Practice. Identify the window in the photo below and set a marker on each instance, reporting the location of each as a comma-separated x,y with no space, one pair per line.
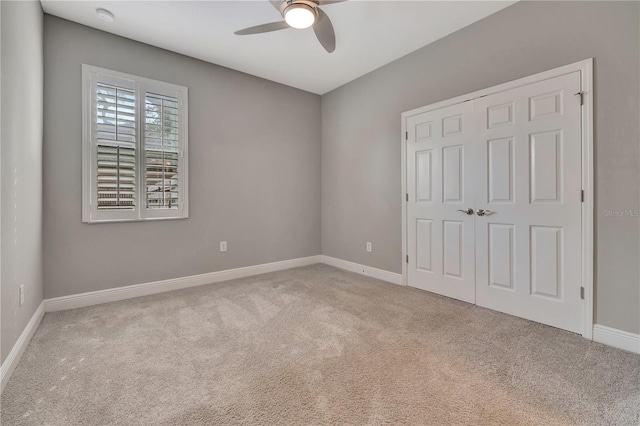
134,148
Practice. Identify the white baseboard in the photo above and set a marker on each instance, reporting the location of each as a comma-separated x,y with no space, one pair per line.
121,293
82,300
21,344
616,338
369,271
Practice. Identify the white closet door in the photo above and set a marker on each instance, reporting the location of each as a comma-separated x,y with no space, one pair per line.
439,183
527,173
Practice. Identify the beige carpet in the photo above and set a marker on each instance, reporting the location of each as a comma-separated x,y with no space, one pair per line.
313,345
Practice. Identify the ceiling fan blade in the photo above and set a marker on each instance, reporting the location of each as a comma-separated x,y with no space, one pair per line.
264,28
328,2
324,31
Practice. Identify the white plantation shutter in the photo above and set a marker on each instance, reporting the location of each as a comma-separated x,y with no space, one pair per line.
134,149
161,151
116,147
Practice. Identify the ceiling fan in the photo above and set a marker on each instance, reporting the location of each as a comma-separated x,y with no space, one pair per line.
301,14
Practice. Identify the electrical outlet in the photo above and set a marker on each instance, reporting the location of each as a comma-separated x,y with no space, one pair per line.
369,249
21,294
223,246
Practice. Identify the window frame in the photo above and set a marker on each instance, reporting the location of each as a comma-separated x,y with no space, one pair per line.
91,76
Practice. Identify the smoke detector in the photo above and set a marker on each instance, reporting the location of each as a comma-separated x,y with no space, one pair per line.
104,15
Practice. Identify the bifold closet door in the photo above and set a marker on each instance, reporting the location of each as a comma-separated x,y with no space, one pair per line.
528,175
440,187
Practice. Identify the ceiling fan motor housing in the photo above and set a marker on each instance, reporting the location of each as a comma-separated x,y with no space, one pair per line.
309,3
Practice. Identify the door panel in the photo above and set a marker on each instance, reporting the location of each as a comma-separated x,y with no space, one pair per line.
452,247
546,261
424,241
423,175
452,181
546,167
501,256
528,252
440,238
500,169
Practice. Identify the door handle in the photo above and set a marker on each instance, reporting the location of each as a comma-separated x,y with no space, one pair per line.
482,212
466,211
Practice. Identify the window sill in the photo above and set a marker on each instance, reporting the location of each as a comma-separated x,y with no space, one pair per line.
148,219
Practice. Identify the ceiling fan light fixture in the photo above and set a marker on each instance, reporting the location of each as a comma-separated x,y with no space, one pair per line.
299,15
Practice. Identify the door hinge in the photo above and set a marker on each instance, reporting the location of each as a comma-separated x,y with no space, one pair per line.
581,97
407,197
406,136
582,293
582,195
407,258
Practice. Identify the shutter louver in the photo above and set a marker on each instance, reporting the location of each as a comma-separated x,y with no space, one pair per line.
161,151
116,147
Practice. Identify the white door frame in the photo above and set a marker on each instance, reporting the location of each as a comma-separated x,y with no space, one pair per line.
586,73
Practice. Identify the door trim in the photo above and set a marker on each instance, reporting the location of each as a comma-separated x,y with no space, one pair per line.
586,76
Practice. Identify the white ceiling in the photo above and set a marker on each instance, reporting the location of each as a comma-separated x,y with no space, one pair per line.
369,34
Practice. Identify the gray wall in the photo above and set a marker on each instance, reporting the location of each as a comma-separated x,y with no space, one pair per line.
21,153
361,185
254,166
